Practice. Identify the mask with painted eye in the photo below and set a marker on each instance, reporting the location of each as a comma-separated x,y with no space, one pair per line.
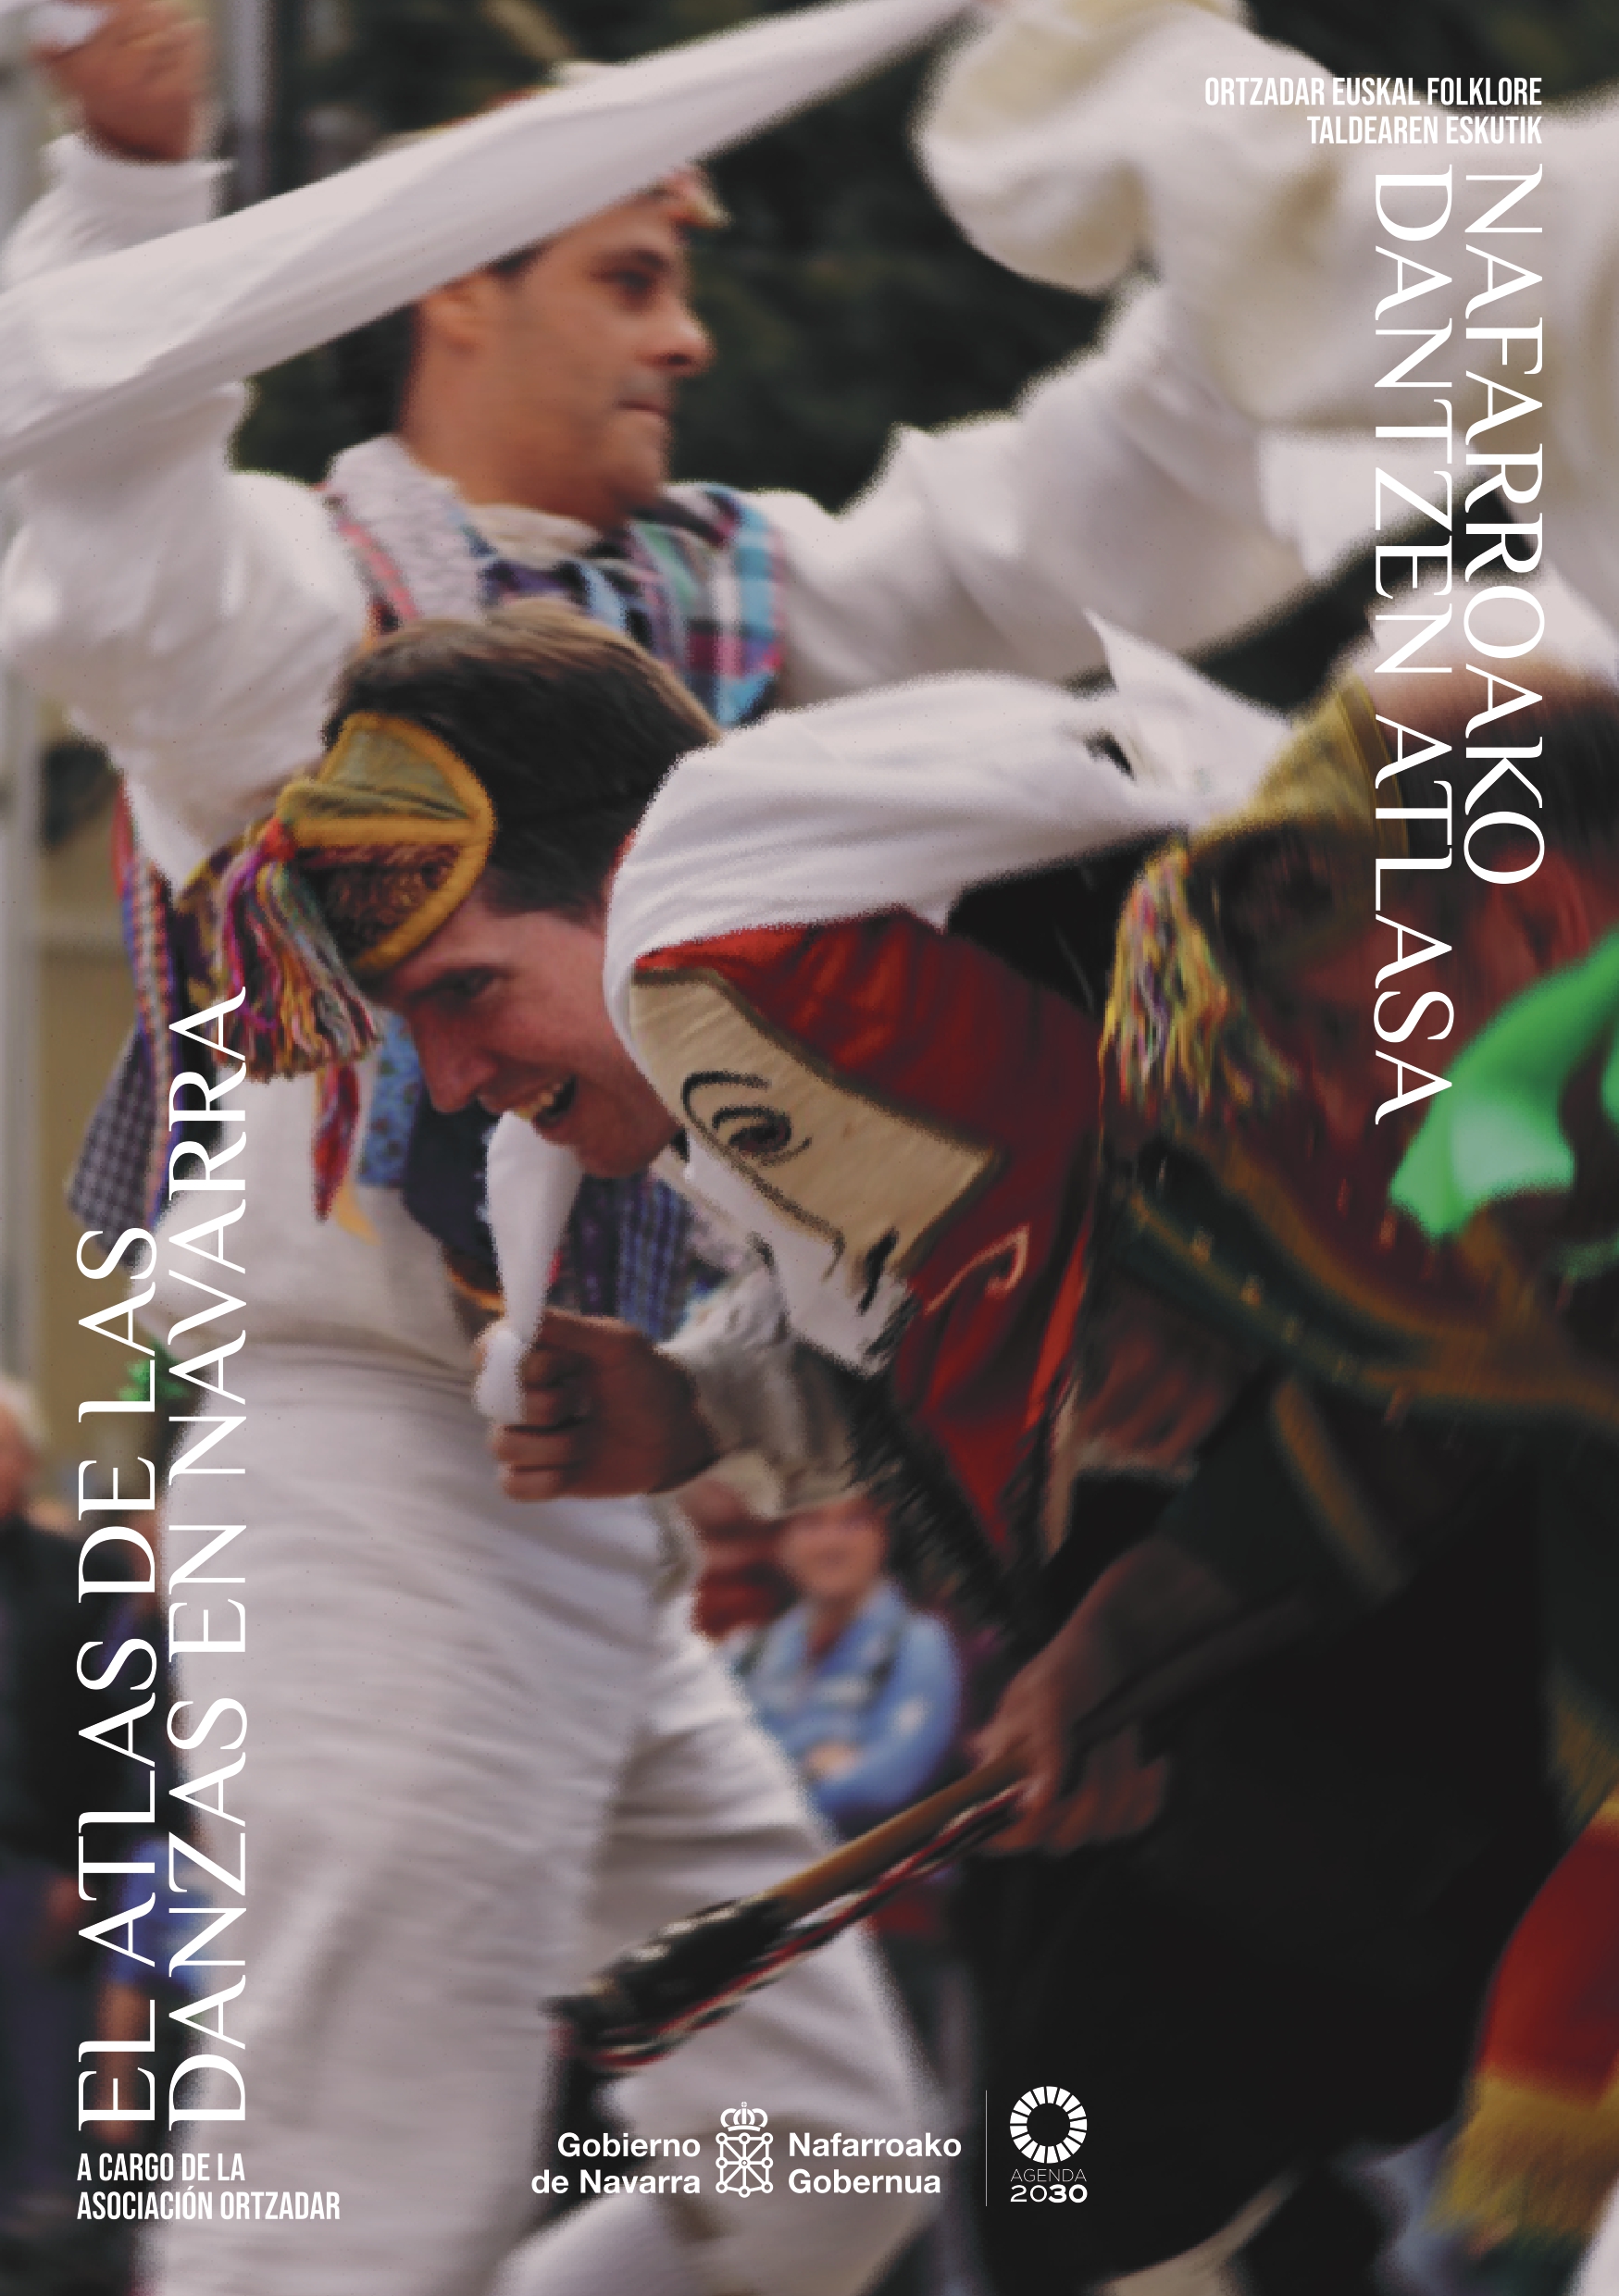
755,1129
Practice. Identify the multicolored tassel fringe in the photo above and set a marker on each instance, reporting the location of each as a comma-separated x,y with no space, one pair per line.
302,1012
1179,1033
337,1118
145,906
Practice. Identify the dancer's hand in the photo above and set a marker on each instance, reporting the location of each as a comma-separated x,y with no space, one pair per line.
1117,1793
605,1415
140,81
1152,1602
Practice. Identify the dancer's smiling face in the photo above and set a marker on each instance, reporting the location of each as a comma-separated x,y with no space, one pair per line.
507,1010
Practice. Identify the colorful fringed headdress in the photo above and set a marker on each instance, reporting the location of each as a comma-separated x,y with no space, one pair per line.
1251,899
359,864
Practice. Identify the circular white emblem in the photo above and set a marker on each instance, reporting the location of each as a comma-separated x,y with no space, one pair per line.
1059,2125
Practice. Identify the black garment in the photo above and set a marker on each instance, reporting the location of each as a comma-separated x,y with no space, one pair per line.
48,1775
1294,1957
1056,926
53,1773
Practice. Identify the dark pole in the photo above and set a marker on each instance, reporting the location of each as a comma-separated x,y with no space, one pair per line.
249,81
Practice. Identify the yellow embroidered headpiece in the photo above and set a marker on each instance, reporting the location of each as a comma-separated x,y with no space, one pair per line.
393,832
360,863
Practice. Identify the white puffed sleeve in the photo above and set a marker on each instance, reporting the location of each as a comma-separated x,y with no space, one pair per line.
1125,484
1075,138
190,617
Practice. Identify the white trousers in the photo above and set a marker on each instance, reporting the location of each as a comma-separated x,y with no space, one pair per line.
485,1752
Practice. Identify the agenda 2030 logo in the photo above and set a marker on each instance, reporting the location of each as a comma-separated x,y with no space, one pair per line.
1048,2127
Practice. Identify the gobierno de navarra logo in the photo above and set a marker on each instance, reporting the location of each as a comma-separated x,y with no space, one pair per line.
1048,2125
743,2151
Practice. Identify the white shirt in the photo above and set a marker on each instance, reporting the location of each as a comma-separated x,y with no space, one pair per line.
1075,138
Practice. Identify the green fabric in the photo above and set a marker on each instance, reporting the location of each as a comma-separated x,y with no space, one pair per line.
1495,1132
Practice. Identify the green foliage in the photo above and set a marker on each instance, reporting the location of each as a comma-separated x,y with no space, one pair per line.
1571,45
411,64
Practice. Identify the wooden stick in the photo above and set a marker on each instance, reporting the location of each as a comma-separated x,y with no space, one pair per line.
686,1962
1178,1677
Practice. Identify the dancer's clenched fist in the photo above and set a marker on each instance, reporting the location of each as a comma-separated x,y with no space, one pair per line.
605,1414
140,82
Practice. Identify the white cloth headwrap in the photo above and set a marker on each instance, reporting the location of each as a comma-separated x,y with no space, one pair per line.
934,786
904,796
121,337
